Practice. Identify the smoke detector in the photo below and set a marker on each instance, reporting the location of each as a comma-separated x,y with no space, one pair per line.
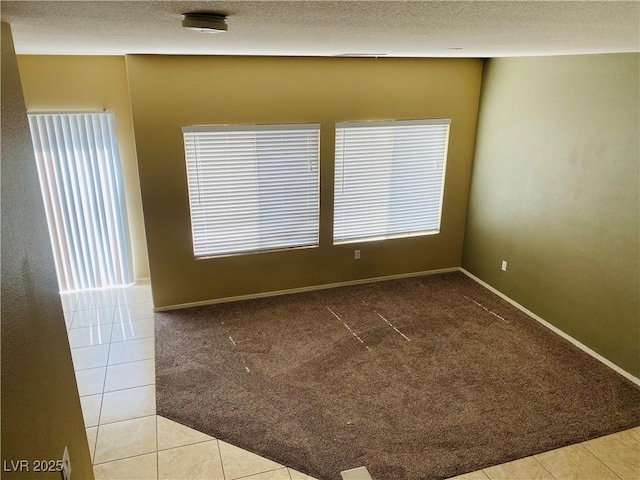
205,22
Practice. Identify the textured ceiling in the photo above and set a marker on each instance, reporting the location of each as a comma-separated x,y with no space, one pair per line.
328,28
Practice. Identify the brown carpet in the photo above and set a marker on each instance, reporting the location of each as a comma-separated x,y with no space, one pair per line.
419,378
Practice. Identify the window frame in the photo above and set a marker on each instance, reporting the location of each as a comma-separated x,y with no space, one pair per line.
313,185
338,235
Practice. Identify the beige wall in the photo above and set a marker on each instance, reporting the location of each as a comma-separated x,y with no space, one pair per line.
169,92
555,193
40,405
82,83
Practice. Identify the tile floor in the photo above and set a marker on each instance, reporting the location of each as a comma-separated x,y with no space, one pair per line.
111,335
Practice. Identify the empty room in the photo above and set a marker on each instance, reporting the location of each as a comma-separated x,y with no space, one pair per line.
320,240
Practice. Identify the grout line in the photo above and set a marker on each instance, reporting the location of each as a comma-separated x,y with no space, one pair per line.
89,368
133,386
134,417
187,444
582,444
126,458
126,388
545,468
93,455
73,317
211,439
253,475
628,432
135,338
597,458
104,383
157,448
224,475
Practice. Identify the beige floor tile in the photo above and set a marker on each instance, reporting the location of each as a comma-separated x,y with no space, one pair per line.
620,452
138,294
120,447
132,351
130,330
86,299
109,298
89,336
172,434
135,312
92,433
126,439
357,473
91,409
69,301
142,467
477,475
90,381
126,404
100,298
296,475
93,316
200,461
90,357
240,463
279,474
574,462
635,433
68,319
129,375
523,469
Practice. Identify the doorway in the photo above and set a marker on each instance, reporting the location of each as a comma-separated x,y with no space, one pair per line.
83,192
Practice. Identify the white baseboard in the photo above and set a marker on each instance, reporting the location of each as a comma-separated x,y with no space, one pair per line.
142,281
551,327
554,329
304,289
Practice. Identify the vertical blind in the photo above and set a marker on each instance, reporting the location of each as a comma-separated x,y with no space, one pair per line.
252,187
389,179
82,187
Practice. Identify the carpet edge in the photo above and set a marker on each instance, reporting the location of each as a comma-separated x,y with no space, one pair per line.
310,288
553,328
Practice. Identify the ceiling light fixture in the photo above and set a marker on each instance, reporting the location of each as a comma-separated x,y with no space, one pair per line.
205,22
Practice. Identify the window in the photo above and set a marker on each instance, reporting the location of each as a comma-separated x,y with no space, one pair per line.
83,192
252,188
389,179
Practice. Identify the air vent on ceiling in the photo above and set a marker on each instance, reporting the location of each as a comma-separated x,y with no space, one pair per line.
205,22
362,55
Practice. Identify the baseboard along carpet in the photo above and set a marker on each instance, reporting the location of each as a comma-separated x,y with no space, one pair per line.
419,378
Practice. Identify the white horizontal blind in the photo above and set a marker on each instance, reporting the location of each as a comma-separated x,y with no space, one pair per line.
83,192
389,179
252,188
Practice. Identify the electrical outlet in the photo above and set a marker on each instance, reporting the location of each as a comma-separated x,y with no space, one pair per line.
356,254
66,465
504,265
